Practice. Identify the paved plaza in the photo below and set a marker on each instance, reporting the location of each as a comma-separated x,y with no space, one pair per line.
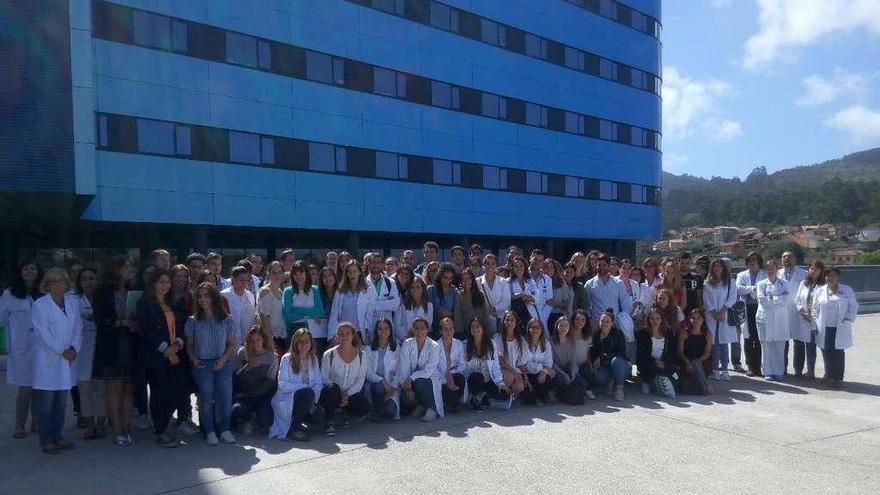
751,437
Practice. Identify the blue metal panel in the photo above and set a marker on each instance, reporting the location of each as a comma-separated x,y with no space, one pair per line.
248,115
115,95
146,65
145,205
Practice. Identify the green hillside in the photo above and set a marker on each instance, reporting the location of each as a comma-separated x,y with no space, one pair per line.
846,189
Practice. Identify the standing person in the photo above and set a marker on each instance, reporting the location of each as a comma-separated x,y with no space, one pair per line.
162,350
652,275
579,261
429,255
181,291
430,273
692,283
57,330
772,318
746,283
459,260
301,303
539,367
196,263
580,299
114,360
672,281
524,294
609,356
496,289
329,284
606,293
483,372
331,261
451,368
804,333
470,303
344,370
182,299
382,373
408,258
719,296
415,305
562,302
834,309
299,388
571,360
287,259
694,349
391,266
242,304
443,294
270,308
656,357
344,258
403,278
91,391
420,386
383,294
16,315
794,275
351,303
211,343
215,268
544,284
161,258
254,381
513,352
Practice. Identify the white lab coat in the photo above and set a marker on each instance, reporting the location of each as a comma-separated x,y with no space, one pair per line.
717,297
847,308
414,365
86,357
539,360
391,362
498,295
774,314
490,368
802,329
516,356
744,287
794,277
383,304
530,287
55,331
405,318
545,286
17,317
348,376
288,384
364,308
242,309
456,359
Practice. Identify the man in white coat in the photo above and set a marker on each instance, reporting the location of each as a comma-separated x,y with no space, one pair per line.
544,285
496,289
794,275
746,283
383,295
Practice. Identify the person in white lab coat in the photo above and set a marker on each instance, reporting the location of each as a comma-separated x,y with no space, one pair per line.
483,372
719,295
351,302
746,283
57,340
544,284
525,298
344,370
419,383
381,384
383,294
513,352
774,328
415,305
91,391
16,315
803,329
794,275
834,310
539,366
299,388
451,368
495,288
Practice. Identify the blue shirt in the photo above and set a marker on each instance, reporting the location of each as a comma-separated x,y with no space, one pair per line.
348,310
441,300
610,294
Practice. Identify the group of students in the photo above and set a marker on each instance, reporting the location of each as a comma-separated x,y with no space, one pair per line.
279,347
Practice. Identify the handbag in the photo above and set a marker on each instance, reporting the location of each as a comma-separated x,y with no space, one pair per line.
736,314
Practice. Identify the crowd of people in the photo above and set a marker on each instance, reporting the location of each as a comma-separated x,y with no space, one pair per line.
291,347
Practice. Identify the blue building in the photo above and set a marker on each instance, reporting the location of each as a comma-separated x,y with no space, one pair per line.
331,123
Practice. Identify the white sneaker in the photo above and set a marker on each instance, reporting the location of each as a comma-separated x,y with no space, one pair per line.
429,416
725,376
211,439
143,422
716,375
227,437
591,395
646,389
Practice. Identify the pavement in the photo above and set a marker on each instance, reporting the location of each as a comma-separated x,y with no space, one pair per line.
752,436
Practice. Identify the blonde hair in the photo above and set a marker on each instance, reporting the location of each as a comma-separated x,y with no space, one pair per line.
54,274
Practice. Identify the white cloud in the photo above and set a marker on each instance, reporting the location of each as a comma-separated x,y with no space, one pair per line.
721,4
673,162
691,106
862,124
842,84
789,24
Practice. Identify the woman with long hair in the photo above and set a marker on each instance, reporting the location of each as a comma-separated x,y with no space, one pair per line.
805,330
664,303
269,306
671,280
609,356
656,356
16,314
443,294
571,359
329,282
451,368
254,381
382,384
299,388
483,371
344,370
562,303
694,350
301,303
719,295
415,304
652,275
91,391
524,294
513,352
419,384
470,303
539,367
352,302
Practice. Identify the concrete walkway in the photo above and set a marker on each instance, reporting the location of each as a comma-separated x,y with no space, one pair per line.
752,437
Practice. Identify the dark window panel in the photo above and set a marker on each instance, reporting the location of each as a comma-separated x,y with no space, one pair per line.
417,10
555,52
289,60
591,64
516,180
112,22
469,25
421,169
592,6
591,189
470,100
291,153
624,15
358,76
516,40
624,133
556,184
471,175
418,89
207,42
624,191
121,133
624,75
516,111
361,162
651,139
210,144
555,119
591,127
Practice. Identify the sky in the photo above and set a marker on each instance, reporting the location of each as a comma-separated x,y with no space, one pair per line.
777,83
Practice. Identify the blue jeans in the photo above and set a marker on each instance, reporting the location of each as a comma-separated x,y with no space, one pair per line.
617,369
215,395
720,354
50,405
377,394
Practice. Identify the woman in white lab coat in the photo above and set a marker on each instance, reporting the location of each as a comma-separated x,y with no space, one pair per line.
525,298
57,338
415,304
451,368
91,392
381,384
299,388
16,304
719,295
539,366
484,378
419,383
804,330
351,302
834,309
344,369
772,318
513,352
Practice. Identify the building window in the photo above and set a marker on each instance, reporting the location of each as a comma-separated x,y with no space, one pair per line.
322,157
536,115
102,131
179,41
637,136
319,67
608,130
391,165
444,95
152,30
391,6
267,150
637,21
264,55
183,140
241,49
491,177
492,32
339,71
389,83
574,123
155,137
534,182
607,190
637,194
536,46
607,69
444,17
244,147
494,106
608,8
574,58
447,172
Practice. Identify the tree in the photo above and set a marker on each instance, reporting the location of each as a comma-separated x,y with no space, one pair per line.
775,249
869,258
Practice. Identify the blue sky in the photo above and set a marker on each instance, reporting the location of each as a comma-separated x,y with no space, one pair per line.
777,83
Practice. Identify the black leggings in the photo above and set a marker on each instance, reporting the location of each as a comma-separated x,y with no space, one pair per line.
478,385
452,398
538,390
834,359
751,342
331,396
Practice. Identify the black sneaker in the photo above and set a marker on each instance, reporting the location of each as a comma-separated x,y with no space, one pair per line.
329,431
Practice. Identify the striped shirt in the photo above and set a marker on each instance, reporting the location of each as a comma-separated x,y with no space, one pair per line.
209,335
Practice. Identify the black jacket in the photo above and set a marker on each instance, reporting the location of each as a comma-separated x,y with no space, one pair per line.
613,345
114,346
647,365
153,328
